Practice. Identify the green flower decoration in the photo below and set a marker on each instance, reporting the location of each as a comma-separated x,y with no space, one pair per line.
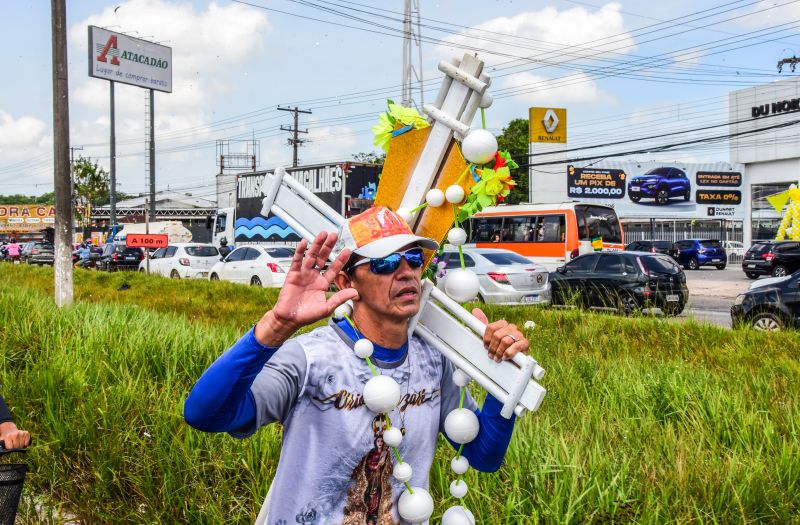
396,117
493,186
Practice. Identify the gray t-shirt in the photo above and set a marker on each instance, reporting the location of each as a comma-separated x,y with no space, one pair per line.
334,467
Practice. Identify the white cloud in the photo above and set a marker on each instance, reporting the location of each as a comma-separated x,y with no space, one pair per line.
548,33
577,88
23,132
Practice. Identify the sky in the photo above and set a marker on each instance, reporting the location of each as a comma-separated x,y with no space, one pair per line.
624,70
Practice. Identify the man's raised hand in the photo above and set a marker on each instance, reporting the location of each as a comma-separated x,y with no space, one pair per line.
302,300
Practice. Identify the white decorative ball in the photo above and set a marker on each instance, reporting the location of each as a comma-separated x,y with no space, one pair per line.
402,472
461,425
363,348
454,194
458,488
460,378
435,198
486,100
392,437
479,146
405,214
459,464
457,236
458,515
381,394
342,311
416,507
461,285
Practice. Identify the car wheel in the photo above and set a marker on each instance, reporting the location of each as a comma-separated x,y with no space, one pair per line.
255,281
779,271
693,264
662,197
720,267
627,304
635,198
767,322
751,275
174,274
214,277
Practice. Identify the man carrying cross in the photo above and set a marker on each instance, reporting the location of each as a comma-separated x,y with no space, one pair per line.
335,466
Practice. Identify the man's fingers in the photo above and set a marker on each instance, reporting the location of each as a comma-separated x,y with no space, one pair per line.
517,347
328,246
489,339
477,312
341,297
297,258
336,266
310,260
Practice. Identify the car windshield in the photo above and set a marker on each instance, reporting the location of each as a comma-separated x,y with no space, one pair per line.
279,252
660,264
132,251
202,251
710,244
506,259
598,221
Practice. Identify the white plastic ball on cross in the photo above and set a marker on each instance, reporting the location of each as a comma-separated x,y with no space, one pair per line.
457,236
454,194
486,100
381,394
458,488
435,198
479,146
459,464
363,348
392,437
405,214
461,285
402,472
458,515
415,506
342,311
460,378
461,425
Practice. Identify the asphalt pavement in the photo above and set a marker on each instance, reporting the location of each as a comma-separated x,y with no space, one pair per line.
712,292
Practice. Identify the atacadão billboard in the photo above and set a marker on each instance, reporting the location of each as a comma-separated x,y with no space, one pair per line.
121,58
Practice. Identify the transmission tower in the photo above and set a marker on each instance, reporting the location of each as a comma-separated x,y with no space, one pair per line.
411,37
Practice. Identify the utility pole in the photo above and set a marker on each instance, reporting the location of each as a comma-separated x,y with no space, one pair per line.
296,141
62,175
793,61
72,203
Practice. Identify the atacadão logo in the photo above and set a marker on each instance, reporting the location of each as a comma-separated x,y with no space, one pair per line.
111,49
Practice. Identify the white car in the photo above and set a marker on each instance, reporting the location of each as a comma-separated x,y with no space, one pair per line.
734,248
255,265
182,260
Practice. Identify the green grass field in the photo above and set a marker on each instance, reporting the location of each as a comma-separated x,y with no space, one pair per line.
646,421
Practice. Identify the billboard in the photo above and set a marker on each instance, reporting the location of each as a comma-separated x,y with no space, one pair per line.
661,190
121,58
26,217
548,125
333,183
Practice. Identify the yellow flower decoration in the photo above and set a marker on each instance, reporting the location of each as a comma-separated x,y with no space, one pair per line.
397,117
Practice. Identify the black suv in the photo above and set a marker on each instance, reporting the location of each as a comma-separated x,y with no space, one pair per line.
664,247
118,257
39,252
624,281
776,258
770,306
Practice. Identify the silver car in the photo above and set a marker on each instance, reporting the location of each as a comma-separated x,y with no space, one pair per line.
505,277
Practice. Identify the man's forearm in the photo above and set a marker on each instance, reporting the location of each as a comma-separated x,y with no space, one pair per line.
273,332
486,452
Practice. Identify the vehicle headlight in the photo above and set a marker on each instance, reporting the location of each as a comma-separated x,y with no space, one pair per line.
739,299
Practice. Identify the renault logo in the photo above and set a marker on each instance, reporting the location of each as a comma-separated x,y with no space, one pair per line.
550,121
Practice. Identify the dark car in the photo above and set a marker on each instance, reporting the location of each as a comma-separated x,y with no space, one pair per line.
660,184
776,258
770,304
664,247
694,253
118,257
38,252
624,281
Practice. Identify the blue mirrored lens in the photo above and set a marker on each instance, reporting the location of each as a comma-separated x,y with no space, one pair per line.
389,264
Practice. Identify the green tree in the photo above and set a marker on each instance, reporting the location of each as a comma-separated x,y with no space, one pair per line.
90,183
514,139
47,198
370,158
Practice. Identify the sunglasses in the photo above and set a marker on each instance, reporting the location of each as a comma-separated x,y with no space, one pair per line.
389,264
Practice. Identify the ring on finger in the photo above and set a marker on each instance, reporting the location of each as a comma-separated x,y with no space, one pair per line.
511,336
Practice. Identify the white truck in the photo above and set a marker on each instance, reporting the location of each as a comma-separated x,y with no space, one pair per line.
174,229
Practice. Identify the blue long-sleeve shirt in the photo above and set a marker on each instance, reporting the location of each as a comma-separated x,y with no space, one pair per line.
224,400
